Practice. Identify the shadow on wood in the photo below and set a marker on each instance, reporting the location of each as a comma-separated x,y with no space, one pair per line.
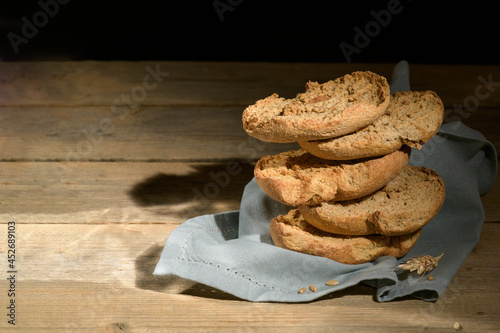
211,188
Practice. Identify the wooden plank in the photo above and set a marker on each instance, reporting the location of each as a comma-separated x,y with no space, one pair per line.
212,83
100,192
491,202
459,84
99,278
484,120
148,134
167,133
187,83
138,192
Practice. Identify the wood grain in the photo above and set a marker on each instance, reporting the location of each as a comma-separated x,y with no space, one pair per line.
101,161
169,133
132,192
150,134
103,192
211,83
98,278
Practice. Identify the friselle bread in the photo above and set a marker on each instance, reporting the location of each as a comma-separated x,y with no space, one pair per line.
412,118
298,178
293,232
404,205
357,199
325,110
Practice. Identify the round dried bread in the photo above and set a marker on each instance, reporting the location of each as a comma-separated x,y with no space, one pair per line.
325,110
298,178
404,205
292,232
412,118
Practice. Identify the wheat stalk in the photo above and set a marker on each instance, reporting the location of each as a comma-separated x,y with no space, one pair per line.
422,264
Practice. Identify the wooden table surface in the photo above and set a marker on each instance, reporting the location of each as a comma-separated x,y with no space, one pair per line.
100,161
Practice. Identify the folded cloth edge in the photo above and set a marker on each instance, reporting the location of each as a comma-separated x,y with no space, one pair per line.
223,277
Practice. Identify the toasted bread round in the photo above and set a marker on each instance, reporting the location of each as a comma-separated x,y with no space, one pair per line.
404,205
298,178
292,232
412,118
323,111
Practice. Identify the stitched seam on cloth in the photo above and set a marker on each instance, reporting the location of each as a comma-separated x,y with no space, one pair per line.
226,271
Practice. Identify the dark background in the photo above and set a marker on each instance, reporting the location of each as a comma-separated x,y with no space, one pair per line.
281,31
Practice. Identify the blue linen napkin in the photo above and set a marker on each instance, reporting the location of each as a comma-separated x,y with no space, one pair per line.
233,251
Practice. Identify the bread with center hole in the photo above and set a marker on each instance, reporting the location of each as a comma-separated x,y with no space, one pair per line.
412,118
404,205
323,111
293,232
298,178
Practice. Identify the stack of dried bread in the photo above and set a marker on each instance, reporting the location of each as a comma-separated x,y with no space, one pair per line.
354,196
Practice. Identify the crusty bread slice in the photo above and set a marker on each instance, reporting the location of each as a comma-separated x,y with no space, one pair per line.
292,232
412,118
404,205
298,178
323,111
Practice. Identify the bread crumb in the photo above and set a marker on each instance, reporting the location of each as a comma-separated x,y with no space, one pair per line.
456,326
430,277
